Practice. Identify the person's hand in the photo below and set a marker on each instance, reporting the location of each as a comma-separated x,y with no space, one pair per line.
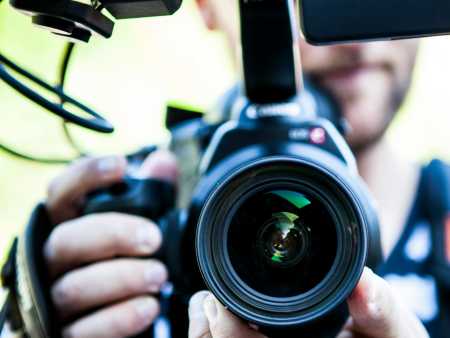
374,313
97,294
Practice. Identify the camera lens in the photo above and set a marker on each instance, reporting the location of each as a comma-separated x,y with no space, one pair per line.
282,242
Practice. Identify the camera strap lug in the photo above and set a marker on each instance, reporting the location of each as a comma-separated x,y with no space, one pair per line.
4,309
8,272
10,308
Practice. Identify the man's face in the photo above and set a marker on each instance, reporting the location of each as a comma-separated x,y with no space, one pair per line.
369,80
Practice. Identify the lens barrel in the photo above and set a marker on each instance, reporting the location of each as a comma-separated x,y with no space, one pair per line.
282,241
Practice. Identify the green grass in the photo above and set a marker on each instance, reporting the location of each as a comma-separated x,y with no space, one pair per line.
131,76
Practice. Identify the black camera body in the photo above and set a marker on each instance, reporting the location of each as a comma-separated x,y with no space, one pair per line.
276,222
283,226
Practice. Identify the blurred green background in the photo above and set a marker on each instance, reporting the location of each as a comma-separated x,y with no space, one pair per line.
130,77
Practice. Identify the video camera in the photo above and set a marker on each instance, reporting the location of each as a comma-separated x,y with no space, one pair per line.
271,215
76,20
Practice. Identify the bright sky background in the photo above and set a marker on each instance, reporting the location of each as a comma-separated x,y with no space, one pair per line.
147,63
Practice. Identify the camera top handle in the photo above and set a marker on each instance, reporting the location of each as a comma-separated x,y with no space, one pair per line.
271,61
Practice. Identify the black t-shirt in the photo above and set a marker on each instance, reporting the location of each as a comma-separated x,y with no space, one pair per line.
408,268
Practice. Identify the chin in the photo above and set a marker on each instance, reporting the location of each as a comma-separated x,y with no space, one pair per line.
360,143
368,120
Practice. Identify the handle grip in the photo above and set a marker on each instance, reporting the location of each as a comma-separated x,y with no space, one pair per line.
148,198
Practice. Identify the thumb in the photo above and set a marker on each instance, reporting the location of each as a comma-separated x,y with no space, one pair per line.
198,323
160,164
376,312
212,320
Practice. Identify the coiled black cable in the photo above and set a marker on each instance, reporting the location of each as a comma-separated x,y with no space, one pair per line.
68,52
97,122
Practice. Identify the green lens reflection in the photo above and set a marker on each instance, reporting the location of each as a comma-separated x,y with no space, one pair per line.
283,238
295,198
282,233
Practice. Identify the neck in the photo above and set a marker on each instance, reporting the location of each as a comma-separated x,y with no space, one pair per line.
393,181
374,161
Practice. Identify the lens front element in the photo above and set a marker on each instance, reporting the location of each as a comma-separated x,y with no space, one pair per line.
282,242
284,239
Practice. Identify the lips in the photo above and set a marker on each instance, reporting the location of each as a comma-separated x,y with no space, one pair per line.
347,78
348,73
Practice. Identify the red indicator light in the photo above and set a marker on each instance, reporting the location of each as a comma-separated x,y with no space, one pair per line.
318,135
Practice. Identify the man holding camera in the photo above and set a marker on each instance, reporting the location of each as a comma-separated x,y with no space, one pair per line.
116,297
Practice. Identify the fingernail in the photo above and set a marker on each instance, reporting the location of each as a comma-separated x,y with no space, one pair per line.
196,305
210,307
254,326
160,165
145,308
147,239
109,165
369,285
155,276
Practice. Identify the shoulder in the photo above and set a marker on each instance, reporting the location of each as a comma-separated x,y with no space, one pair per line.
436,204
436,182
